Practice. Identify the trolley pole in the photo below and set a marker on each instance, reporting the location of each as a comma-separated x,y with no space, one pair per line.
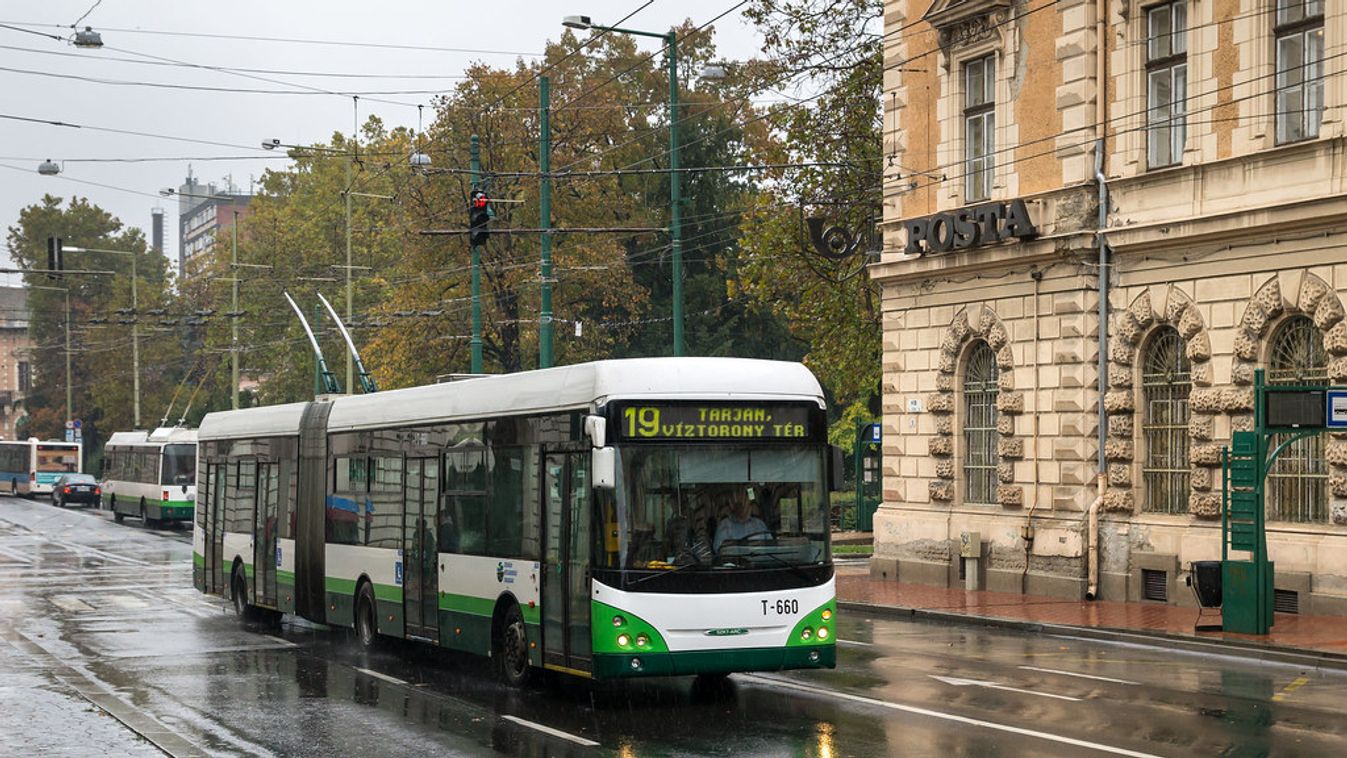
317,367
476,271
545,220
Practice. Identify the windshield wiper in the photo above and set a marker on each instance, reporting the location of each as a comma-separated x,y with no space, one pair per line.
670,572
794,567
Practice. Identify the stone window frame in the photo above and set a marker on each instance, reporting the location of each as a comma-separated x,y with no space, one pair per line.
1002,42
1129,104
1152,308
962,451
965,327
1278,479
1270,304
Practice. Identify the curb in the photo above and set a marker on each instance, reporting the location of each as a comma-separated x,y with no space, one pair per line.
1230,648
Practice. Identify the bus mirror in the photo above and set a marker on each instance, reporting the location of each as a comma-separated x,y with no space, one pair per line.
596,428
604,463
836,469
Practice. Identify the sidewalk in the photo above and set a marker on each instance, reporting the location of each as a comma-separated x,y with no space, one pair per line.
1306,640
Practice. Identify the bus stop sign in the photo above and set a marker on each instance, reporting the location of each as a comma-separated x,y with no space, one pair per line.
1336,416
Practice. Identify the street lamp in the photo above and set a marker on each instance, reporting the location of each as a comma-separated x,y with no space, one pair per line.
135,323
48,168
670,39
88,38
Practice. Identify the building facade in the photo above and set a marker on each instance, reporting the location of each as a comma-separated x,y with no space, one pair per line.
1210,132
203,212
16,368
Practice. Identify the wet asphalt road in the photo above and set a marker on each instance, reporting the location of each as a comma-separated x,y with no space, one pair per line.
105,647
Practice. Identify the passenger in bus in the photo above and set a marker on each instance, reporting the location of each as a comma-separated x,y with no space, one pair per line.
740,523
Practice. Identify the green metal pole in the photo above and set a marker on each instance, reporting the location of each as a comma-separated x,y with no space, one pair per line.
135,344
675,197
69,381
476,271
545,219
234,319
350,293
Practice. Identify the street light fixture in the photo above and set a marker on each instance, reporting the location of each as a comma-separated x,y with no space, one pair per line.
715,72
670,39
88,38
48,168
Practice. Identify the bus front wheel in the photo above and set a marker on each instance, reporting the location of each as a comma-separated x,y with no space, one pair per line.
512,648
366,623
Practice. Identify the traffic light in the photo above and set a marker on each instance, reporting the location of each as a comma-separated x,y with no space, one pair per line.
479,218
55,257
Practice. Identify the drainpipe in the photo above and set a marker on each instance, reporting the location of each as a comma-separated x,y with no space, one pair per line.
1092,545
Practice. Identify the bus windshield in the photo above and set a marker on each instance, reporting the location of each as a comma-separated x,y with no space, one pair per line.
57,458
719,507
179,464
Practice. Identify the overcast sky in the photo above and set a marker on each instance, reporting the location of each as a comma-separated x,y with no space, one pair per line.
240,119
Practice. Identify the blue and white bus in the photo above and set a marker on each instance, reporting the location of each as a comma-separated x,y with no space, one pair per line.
15,456
50,459
660,516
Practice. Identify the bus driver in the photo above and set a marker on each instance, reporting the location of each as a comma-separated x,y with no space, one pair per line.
740,523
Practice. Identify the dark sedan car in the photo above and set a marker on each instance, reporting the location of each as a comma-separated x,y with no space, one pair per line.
71,489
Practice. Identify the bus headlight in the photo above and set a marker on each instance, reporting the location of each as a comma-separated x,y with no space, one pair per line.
806,633
623,640
642,640
619,621
823,632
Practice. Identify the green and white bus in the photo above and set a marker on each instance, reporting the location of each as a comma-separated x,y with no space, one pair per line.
151,475
15,459
621,518
48,460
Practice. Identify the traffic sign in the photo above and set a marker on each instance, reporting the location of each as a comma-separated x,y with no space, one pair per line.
875,433
70,435
79,424
70,424
1337,409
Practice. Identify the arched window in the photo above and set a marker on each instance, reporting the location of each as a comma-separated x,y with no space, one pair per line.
1298,482
979,424
1166,379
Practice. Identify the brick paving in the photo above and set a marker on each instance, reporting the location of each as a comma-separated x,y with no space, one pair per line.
1308,634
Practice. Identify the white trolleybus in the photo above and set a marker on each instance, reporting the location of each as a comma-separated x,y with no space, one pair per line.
48,460
15,459
621,518
151,475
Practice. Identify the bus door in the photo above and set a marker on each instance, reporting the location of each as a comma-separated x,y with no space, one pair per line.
218,473
264,536
420,549
565,593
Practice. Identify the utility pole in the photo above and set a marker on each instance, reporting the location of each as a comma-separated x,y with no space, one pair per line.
545,219
135,345
675,196
476,272
234,318
69,382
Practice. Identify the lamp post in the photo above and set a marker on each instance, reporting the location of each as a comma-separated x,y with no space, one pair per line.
670,39
135,324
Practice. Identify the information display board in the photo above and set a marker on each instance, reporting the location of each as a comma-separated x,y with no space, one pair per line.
661,422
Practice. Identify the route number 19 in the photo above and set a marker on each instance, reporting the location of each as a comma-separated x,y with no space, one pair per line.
642,422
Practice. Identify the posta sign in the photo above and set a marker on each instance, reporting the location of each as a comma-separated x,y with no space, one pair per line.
968,227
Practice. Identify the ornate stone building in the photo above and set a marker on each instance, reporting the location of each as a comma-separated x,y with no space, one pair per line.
1212,130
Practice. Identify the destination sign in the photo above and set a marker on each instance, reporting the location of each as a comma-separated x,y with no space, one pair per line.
713,422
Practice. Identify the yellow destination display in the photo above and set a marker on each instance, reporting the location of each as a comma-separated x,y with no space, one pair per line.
707,422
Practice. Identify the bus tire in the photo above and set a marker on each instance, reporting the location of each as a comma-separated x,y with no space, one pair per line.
246,612
146,520
511,648
366,620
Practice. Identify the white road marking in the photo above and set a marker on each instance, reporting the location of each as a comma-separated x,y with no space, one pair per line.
957,682
1078,674
577,739
375,674
951,717
70,603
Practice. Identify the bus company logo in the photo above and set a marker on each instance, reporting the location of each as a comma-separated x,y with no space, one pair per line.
734,632
500,572
505,572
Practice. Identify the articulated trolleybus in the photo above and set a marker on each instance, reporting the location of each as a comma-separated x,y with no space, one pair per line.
151,475
621,518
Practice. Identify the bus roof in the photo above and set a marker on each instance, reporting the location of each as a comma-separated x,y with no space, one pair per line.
164,435
127,438
572,387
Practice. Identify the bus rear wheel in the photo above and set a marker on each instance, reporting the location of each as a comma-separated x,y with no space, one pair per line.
240,592
512,648
366,623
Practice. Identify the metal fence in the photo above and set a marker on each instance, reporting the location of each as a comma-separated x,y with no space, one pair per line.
1166,380
979,428
1297,484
